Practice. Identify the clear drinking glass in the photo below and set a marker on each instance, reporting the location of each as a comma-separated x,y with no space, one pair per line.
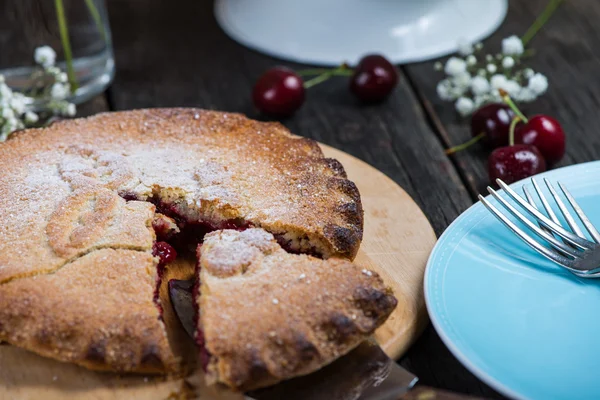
78,27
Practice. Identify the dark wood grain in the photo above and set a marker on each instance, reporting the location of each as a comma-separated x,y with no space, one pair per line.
566,50
176,55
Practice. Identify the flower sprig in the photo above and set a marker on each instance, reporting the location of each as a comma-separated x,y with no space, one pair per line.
49,85
474,79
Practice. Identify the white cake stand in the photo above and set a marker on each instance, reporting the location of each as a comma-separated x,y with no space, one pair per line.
327,32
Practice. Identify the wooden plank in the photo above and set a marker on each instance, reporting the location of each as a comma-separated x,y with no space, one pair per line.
178,56
566,52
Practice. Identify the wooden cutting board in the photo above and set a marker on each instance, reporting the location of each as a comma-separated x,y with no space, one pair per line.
397,241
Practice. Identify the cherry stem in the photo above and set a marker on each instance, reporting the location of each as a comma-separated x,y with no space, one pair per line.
319,71
528,53
512,105
66,44
324,76
511,131
463,146
540,21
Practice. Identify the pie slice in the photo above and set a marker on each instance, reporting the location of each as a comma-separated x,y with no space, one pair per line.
96,311
267,315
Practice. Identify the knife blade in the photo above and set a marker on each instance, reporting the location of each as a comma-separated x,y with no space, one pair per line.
365,373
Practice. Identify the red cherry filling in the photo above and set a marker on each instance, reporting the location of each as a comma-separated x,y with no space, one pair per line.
164,227
165,252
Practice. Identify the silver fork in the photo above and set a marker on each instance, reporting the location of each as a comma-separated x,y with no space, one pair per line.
574,251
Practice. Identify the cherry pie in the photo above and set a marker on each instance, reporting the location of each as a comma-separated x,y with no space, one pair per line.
86,206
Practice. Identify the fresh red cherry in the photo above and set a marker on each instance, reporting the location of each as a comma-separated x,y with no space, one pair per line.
546,134
278,92
373,79
494,121
165,252
513,163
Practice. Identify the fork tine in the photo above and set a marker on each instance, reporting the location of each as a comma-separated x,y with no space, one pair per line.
556,228
563,209
529,198
551,255
545,203
586,222
538,231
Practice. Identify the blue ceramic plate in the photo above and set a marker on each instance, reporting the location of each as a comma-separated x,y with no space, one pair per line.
519,322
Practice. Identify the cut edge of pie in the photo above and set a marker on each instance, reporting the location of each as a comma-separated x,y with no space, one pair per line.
254,332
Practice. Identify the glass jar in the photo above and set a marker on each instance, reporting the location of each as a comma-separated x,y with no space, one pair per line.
77,30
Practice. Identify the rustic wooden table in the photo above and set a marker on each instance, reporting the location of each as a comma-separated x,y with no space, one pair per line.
174,54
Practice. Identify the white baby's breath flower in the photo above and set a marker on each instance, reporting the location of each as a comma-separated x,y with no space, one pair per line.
525,95
489,58
498,81
471,60
508,62
455,66
512,87
5,92
482,72
495,95
478,46
443,90
62,77
538,83
464,106
438,66
12,123
465,47
45,56
512,45
528,73
71,110
31,117
8,113
491,68
54,71
480,100
2,80
462,81
18,104
59,91
458,91
479,85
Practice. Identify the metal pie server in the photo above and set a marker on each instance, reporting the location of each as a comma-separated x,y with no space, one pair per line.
366,373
